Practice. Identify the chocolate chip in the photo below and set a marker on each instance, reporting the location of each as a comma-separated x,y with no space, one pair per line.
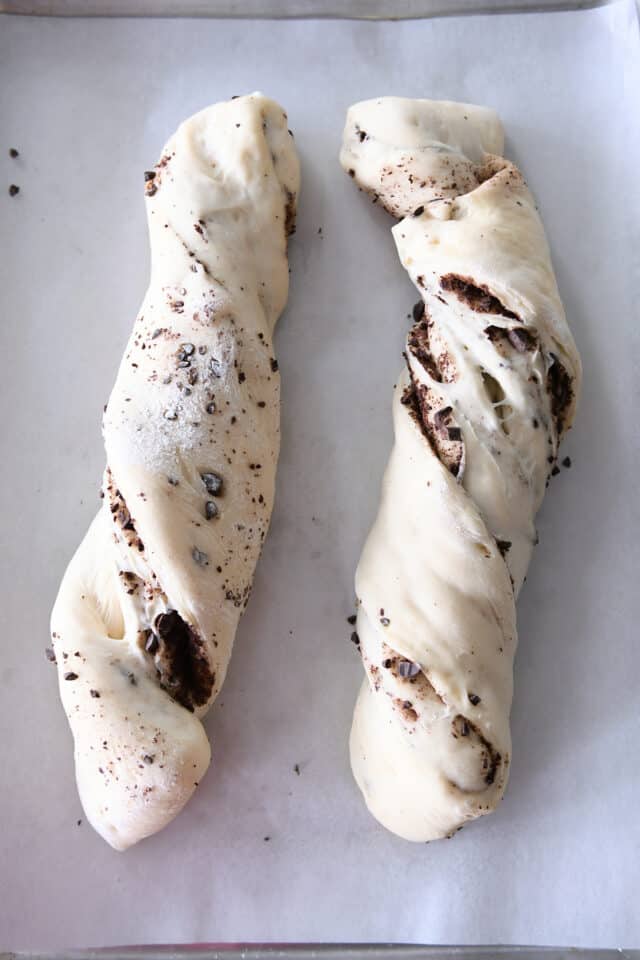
274,366
474,699
555,471
418,311
148,758
566,462
50,654
296,768
261,403
70,675
241,377
13,153
454,433
418,211
520,339
149,175
407,668
173,481
13,190
352,619
156,333
213,483
352,172
131,677
210,509
355,639
200,557
95,694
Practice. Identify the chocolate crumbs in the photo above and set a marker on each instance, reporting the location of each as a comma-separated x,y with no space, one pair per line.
476,297
181,661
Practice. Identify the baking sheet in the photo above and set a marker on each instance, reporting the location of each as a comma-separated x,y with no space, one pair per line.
89,105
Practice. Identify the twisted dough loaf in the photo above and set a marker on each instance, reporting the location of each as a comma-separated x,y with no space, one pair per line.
144,622
490,385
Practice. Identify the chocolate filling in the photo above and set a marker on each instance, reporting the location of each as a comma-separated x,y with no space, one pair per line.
517,337
406,709
490,758
477,297
503,546
177,651
181,661
121,515
560,390
435,423
290,214
418,344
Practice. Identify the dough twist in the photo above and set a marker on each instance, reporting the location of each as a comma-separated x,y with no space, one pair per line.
490,385
146,615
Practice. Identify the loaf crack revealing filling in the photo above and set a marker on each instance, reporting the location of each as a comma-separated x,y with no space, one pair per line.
489,387
146,615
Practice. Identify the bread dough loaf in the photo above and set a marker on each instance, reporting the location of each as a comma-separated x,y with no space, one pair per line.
146,615
490,385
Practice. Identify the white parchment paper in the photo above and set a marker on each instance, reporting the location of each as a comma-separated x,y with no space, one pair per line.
89,105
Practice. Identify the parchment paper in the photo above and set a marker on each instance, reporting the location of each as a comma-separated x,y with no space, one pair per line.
264,853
